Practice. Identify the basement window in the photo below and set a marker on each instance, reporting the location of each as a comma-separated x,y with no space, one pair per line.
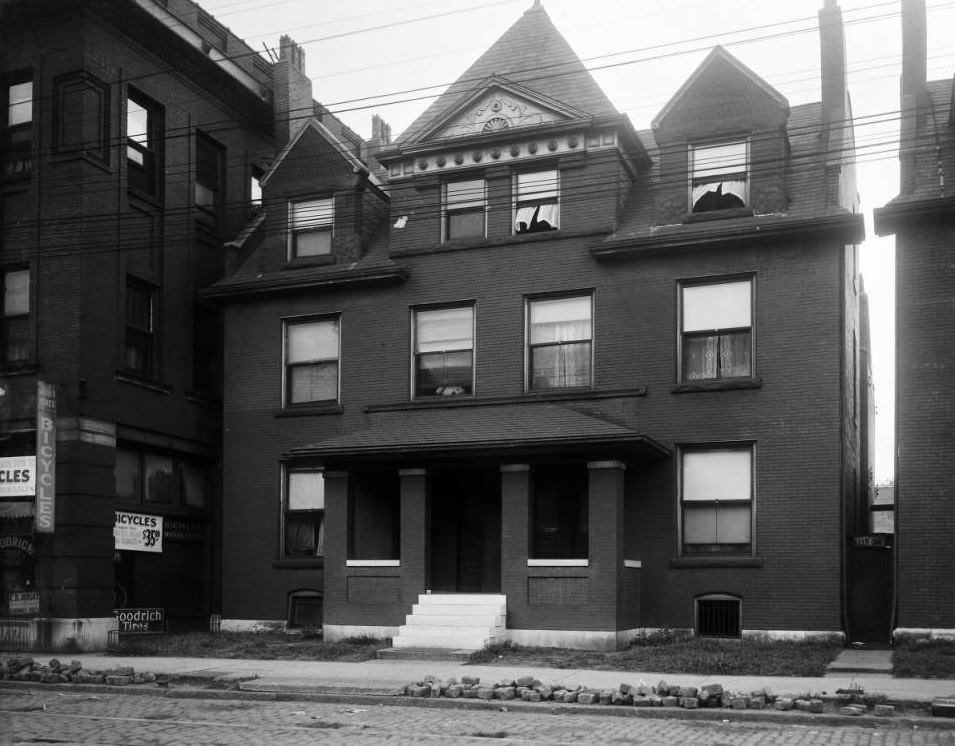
305,609
718,615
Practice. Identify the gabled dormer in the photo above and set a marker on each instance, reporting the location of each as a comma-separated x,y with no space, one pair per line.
321,202
508,153
723,145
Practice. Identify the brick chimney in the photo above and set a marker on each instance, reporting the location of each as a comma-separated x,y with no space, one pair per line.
832,47
914,90
292,95
379,140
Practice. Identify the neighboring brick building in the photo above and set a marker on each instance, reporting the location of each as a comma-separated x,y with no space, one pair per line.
922,217
130,131
607,378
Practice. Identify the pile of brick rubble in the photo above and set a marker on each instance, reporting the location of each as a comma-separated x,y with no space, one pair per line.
55,672
529,689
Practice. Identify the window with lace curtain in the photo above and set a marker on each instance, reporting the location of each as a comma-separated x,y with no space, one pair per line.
716,330
559,342
303,513
536,202
444,351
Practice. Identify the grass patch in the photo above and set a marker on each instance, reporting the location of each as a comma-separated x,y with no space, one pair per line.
924,659
260,645
694,655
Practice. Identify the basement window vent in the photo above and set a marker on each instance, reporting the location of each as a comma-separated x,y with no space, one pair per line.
718,616
305,609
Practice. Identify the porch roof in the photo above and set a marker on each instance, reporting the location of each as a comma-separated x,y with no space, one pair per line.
505,430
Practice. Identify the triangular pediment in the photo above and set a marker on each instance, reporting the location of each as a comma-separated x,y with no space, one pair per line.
722,93
497,105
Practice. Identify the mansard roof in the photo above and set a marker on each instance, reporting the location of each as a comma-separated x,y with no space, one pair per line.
531,53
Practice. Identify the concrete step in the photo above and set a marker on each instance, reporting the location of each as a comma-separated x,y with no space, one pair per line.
454,620
462,599
426,637
425,654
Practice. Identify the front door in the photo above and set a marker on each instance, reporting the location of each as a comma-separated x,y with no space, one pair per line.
465,531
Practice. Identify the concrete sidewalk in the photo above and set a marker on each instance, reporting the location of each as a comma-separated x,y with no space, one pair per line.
388,677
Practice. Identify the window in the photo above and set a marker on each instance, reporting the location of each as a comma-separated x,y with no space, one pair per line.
304,514
18,125
560,513
305,609
536,202
208,184
716,330
719,176
464,203
140,327
444,351
15,323
718,615
255,187
311,225
143,131
159,478
559,334
311,361
716,489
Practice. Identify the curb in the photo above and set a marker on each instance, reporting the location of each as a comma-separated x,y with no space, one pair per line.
338,695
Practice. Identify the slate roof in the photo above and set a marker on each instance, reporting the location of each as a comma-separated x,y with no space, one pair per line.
531,52
515,426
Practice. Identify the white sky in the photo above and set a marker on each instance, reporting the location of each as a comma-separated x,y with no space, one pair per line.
647,50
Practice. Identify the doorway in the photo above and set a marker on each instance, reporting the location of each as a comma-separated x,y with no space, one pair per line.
465,535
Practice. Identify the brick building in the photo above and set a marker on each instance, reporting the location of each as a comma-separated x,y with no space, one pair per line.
563,380
922,217
130,135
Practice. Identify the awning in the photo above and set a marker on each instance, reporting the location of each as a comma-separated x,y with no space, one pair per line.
488,431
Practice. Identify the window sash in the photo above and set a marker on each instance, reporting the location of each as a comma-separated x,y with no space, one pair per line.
20,103
304,514
444,329
138,132
716,501
312,341
566,365
461,195
539,186
715,356
139,308
719,474
16,293
716,306
315,213
719,160
306,490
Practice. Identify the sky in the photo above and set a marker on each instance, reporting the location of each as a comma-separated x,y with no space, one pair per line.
392,57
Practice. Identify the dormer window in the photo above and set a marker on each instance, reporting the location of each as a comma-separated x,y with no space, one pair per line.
311,224
537,202
720,176
464,203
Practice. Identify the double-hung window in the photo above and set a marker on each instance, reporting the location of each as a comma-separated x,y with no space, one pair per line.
536,202
15,322
559,342
444,351
18,125
142,142
311,361
303,512
209,175
311,226
464,209
716,331
716,500
140,327
720,179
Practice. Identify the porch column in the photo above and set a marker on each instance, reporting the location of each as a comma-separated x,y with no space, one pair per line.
415,533
515,512
606,517
336,545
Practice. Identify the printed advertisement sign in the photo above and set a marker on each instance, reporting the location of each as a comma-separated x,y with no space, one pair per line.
138,532
140,620
24,603
45,520
17,476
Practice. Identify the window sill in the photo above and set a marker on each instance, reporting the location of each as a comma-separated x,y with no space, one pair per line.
321,260
471,401
145,383
309,410
19,369
310,563
687,563
735,212
147,197
373,563
728,384
205,399
463,244
558,563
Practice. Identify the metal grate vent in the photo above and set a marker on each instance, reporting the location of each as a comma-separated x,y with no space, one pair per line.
718,617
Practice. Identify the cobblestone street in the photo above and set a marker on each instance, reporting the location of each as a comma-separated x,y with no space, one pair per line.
136,720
